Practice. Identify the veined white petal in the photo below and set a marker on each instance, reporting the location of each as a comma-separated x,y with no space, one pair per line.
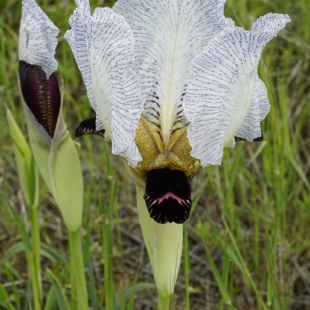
169,34
102,45
222,84
259,108
37,38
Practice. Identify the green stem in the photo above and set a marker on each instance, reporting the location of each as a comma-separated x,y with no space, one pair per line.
35,285
108,276
77,270
186,268
35,239
35,266
107,220
73,299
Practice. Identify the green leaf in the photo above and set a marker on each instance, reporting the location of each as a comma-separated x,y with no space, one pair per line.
52,254
22,230
27,171
136,288
51,300
4,299
91,283
220,282
61,298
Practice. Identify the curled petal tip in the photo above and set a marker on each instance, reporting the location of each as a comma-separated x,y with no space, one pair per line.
37,38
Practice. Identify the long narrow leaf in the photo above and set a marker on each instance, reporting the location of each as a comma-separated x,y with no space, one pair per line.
218,278
61,298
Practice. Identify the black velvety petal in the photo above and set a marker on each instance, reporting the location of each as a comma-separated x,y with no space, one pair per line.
41,95
168,196
88,127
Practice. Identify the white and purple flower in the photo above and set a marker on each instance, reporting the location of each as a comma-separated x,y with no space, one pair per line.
172,83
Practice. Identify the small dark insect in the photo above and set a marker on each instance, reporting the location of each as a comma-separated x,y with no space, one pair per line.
258,139
88,127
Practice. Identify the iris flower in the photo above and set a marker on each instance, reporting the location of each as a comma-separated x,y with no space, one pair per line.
172,83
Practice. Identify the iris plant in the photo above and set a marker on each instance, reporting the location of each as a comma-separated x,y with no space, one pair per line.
172,83
52,146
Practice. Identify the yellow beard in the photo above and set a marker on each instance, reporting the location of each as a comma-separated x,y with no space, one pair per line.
155,155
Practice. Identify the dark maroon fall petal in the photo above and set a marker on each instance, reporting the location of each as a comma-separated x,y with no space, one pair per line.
168,196
41,95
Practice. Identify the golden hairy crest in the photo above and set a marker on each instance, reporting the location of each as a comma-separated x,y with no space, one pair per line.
174,155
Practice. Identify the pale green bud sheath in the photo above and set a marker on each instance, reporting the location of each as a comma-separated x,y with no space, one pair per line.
168,243
66,177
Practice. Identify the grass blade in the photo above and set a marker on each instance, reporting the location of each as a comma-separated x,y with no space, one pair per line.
61,298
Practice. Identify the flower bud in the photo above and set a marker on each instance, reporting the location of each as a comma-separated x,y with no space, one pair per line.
41,95
52,147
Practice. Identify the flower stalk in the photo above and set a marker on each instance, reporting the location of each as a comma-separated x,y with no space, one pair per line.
58,162
52,146
107,231
36,246
77,270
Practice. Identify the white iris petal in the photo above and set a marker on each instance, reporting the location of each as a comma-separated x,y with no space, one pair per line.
177,61
259,108
224,91
169,34
37,38
102,46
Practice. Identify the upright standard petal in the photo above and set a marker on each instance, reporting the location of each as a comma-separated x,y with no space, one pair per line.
169,33
37,38
224,90
102,45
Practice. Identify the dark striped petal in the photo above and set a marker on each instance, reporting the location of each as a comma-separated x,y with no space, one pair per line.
168,196
41,95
